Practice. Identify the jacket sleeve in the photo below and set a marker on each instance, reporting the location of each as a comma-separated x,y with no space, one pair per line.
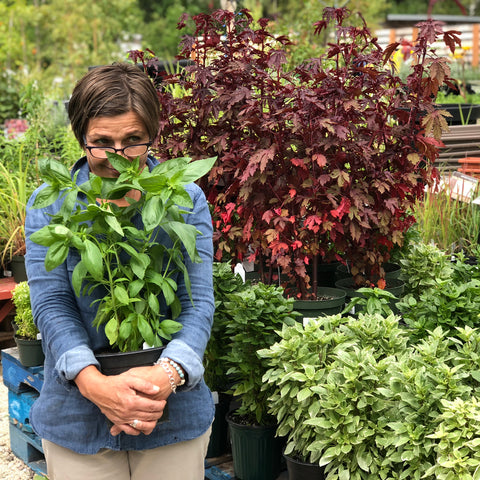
188,345
65,336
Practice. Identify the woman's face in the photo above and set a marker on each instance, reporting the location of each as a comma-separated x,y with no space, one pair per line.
119,132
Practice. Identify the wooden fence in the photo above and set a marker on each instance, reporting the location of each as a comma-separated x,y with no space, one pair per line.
470,37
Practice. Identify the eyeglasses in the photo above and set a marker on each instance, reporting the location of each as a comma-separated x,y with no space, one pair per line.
130,151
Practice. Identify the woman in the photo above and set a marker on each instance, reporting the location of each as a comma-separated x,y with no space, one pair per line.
107,427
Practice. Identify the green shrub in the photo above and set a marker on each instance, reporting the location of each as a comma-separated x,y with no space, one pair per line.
258,312
225,282
353,395
23,311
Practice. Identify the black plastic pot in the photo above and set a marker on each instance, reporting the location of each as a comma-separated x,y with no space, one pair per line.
114,363
218,444
326,274
392,270
298,470
17,266
394,286
256,451
461,113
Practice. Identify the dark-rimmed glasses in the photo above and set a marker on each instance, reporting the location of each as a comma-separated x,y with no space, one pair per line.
131,151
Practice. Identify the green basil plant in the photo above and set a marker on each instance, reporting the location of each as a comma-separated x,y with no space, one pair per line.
119,255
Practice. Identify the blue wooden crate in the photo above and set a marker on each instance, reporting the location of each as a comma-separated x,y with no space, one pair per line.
28,448
18,378
214,473
219,468
19,405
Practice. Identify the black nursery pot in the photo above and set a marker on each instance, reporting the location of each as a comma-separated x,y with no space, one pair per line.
114,363
17,266
461,113
298,470
218,443
256,450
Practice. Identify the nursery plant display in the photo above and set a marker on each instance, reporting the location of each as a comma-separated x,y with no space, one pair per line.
460,100
13,199
257,312
355,396
46,136
225,283
448,217
440,291
316,163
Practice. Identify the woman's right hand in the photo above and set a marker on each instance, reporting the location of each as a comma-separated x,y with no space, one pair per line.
122,399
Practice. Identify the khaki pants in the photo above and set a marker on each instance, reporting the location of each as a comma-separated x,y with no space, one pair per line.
180,461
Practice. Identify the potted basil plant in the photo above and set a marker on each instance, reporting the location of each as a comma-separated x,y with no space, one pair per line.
133,269
225,283
258,312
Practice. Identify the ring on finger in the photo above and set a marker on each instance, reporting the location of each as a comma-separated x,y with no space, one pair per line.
134,424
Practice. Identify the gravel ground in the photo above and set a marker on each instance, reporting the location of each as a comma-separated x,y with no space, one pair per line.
11,467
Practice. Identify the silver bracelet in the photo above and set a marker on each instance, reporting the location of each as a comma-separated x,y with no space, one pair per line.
169,372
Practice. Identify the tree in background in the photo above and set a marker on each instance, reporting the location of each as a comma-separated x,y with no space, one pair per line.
435,7
160,32
55,41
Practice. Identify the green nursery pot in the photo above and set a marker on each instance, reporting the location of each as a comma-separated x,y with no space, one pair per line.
30,352
330,302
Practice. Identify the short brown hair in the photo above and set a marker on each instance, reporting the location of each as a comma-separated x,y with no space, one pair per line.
111,90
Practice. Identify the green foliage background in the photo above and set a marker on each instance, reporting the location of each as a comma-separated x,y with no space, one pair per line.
54,41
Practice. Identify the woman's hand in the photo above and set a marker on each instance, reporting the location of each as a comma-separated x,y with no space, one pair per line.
123,399
158,376
155,375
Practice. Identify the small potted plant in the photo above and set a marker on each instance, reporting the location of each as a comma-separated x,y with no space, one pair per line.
256,314
441,292
309,368
457,433
127,262
26,333
14,192
225,283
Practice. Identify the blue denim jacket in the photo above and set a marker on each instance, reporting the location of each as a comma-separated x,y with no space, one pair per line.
61,414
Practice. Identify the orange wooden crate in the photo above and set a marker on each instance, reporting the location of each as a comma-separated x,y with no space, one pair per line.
470,165
6,287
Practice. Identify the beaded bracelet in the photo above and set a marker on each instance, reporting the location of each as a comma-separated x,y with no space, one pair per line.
177,367
166,363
